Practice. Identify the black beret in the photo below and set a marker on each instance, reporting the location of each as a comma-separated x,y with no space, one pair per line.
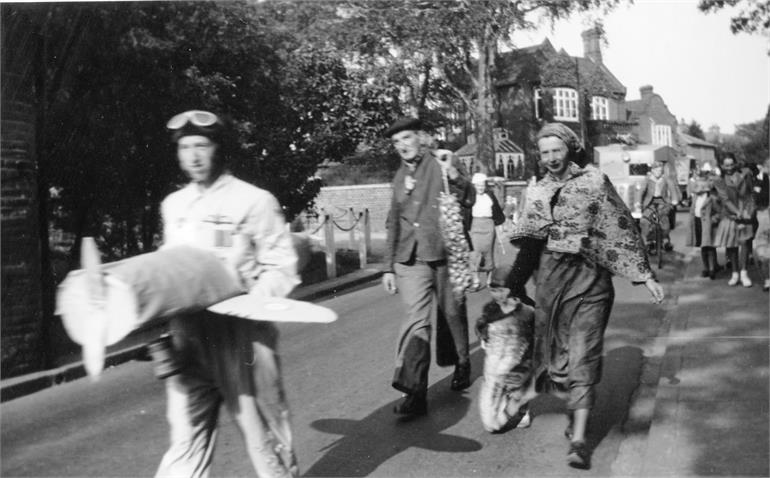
402,124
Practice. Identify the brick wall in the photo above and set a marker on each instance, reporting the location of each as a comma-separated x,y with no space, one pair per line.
336,201
21,315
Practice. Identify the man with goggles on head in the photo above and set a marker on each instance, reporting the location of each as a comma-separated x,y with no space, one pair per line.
225,360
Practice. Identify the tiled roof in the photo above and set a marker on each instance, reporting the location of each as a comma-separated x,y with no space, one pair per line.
693,141
527,63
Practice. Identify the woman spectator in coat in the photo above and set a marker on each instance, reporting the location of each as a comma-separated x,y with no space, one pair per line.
486,213
704,217
586,235
735,191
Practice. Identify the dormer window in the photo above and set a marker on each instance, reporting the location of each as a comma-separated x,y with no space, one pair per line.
565,104
600,108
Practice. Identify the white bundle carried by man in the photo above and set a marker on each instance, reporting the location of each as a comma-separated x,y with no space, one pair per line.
458,252
101,304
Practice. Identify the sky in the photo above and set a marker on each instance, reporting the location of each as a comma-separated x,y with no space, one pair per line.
692,60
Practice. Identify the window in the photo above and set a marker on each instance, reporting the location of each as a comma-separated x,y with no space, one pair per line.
661,134
565,102
638,169
600,108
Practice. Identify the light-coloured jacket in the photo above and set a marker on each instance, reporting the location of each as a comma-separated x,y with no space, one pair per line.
242,224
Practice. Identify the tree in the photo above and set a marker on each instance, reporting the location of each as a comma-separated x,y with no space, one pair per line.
111,74
694,129
455,41
753,17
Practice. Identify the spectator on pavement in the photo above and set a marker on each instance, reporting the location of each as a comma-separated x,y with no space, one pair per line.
506,333
659,198
586,234
486,214
735,191
416,266
704,217
226,360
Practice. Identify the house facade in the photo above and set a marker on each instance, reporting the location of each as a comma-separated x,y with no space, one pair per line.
539,84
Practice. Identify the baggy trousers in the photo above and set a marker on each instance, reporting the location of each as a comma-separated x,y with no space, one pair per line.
423,285
574,298
232,362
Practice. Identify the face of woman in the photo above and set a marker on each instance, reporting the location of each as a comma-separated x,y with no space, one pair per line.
480,187
553,155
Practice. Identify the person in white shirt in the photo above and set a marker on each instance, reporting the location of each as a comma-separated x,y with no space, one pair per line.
223,359
486,214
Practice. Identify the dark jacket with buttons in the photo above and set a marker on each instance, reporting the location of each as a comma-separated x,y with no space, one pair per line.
413,230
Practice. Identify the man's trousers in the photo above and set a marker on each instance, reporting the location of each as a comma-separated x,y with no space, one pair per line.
233,362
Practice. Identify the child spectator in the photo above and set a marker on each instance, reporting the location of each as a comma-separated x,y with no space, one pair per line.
505,330
704,217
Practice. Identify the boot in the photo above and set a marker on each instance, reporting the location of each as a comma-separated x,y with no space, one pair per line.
413,404
462,377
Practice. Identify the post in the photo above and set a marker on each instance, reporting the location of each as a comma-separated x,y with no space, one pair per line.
329,249
367,231
352,232
363,250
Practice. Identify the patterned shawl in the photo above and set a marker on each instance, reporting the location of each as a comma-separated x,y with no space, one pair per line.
585,215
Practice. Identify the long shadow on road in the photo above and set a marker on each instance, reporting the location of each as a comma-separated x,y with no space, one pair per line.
367,443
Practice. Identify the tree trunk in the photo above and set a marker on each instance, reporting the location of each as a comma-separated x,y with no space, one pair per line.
486,107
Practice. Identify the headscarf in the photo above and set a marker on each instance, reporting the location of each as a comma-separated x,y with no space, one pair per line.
565,134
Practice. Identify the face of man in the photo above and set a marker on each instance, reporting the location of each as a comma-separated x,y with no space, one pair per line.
407,143
197,159
553,155
657,170
728,165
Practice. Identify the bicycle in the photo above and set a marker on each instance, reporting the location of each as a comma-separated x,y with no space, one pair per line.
654,218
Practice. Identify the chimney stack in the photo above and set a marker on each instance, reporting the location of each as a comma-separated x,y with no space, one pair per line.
591,45
645,91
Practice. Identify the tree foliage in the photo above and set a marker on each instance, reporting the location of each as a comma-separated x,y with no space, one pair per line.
695,129
112,73
447,45
753,16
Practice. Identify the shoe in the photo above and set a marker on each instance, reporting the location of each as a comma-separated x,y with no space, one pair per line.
766,286
578,455
668,247
734,279
462,377
745,281
568,430
412,405
525,421
713,275
704,273
651,249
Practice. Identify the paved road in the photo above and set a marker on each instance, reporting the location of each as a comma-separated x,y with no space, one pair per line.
337,378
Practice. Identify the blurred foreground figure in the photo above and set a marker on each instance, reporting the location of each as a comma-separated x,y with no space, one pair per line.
226,360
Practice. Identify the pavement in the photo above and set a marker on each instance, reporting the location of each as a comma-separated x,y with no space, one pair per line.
701,407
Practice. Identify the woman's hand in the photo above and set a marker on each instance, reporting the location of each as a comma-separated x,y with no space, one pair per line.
656,290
